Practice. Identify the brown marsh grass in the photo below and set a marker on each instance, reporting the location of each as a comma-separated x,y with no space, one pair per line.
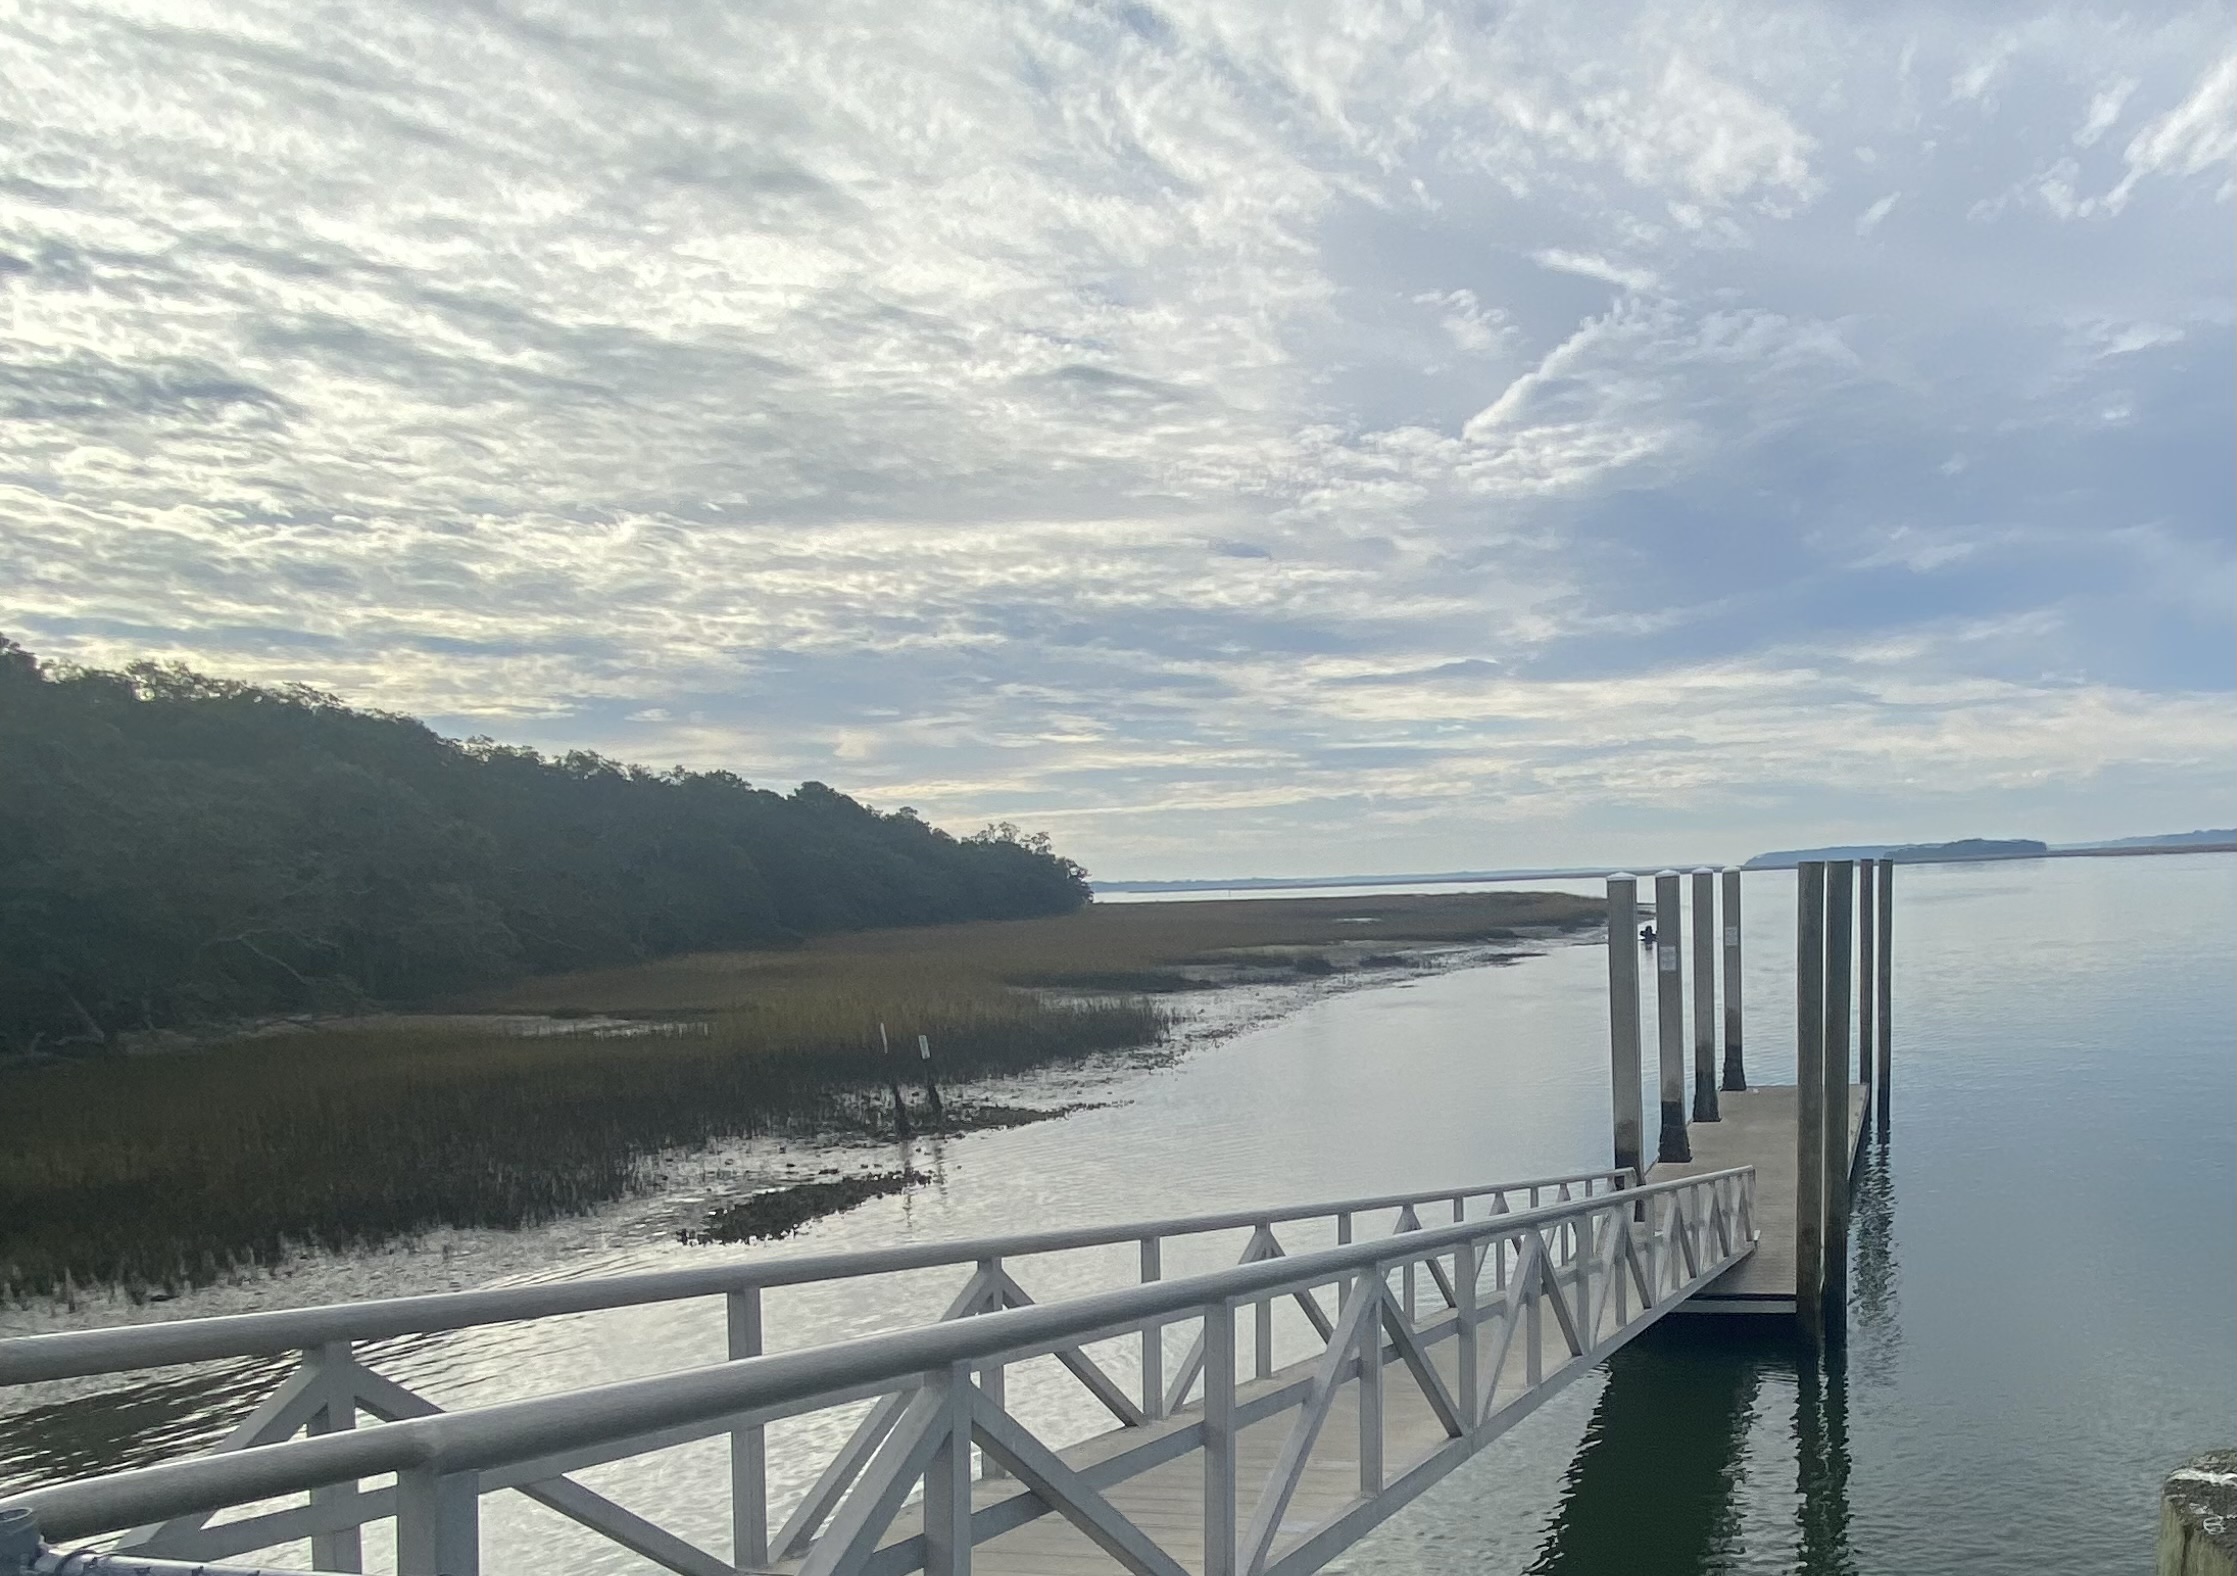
164,1171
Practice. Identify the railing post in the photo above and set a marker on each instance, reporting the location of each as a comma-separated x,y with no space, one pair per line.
1219,1439
1705,995
1371,1283
749,1447
1466,1266
1623,1022
1153,1336
993,1378
438,1524
1735,1069
947,1480
1262,1339
1886,988
1669,956
344,1548
1809,1095
1534,1326
1840,960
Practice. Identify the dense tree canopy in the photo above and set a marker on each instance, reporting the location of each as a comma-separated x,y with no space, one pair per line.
176,847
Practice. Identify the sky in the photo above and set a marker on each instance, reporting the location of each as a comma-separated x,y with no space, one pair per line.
1237,439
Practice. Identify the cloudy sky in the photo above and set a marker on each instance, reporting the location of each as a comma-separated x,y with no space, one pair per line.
1237,438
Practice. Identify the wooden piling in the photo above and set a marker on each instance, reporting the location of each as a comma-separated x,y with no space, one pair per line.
931,1084
1809,1095
1704,995
1735,1069
1867,973
1623,1022
1840,964
893,1083
1886,987
1669,956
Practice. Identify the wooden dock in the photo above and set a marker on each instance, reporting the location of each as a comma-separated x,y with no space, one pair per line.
1757,1129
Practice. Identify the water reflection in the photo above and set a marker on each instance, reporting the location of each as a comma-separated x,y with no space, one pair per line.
1874,1304
1652,1489
1658,1484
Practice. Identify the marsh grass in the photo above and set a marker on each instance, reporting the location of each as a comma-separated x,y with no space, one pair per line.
163,1172
166,1171
1123,948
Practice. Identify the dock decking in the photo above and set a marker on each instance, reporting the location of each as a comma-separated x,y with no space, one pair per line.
1757,1130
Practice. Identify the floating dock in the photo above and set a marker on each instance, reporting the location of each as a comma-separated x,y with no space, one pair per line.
1756,1128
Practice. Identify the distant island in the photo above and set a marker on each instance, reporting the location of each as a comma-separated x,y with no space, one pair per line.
2212,840
1966,849
2216,837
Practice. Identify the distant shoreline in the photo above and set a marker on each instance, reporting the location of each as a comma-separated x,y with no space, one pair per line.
1593,872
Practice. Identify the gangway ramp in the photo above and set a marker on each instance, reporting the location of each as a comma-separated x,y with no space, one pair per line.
1248,1454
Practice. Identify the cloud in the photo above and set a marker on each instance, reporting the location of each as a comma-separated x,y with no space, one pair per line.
1588,265
2105,108
1192,427
2199,134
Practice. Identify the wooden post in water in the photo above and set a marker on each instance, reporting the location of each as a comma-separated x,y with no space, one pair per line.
1670,987
1623,1021
1867,939
1705,995
1809,1095
931,1084
1886,986
1840,963
893,1083
1735,1069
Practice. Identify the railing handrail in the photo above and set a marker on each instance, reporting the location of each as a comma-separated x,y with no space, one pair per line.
72,1354
516,1431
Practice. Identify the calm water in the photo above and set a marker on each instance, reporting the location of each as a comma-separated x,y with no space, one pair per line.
2045,1314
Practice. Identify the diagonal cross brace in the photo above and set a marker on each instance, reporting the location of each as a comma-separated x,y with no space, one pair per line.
1335,1366
1066,1492
1083,1367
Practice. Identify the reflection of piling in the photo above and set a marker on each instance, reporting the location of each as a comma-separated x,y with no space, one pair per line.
1654,1484
1735,1071
1821,1435
1840,942
931,1086
1669,954
1623,1021
1705,996
1809,1094
893,1085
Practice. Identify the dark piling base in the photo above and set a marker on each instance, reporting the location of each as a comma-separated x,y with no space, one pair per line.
1675,1148
1705,1102
1735,1076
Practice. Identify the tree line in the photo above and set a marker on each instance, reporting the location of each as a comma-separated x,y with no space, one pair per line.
177,848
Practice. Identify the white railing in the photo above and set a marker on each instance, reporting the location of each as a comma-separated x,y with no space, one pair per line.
1478,1361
